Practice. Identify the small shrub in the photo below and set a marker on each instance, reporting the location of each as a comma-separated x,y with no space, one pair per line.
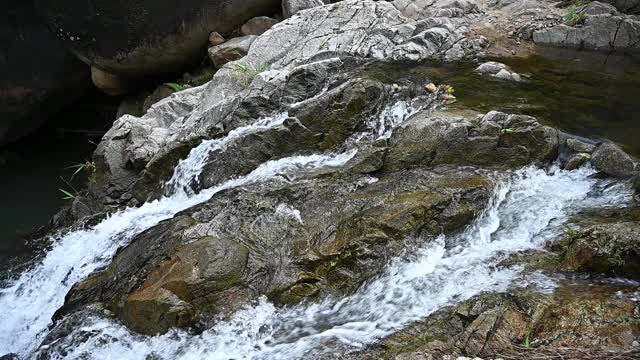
575,14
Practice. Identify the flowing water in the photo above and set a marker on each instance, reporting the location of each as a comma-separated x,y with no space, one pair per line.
30,301
527,209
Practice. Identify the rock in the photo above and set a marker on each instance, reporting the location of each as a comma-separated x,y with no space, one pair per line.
214,258
613,161
431,87
580,146
257,25
611,248
110,84
603,29
147,38
161,92
131,105
577,161
33,90
498,70
489,325
9,357
636,183
292,7
231,50
625,6
497,139
215,38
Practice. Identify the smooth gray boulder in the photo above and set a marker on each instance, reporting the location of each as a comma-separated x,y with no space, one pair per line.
613,161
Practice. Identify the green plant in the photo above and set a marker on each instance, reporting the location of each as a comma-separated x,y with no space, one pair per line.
449,89
88,167
68,195
245,73
526,344
575,13
174,86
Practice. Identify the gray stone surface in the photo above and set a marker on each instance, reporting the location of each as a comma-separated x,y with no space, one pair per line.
231,50
613,161
292,7
603,29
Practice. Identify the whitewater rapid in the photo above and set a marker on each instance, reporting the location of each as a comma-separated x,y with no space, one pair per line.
29,302
529,207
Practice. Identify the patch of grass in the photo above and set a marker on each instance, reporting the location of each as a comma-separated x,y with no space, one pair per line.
88,167
174,86
575,13
245,73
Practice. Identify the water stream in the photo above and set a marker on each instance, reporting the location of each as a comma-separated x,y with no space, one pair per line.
527,209
30,301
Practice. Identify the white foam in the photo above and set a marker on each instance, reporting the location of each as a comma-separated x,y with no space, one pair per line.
526,210
29,302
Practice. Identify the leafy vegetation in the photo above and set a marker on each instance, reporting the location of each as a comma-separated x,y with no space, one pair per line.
88,168
575,13
175,86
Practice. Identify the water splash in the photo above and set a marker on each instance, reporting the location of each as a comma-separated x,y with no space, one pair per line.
526,210
31,300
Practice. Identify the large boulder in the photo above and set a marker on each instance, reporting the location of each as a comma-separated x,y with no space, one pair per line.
604,29
613,161
495,139
146,37
288,241
33,85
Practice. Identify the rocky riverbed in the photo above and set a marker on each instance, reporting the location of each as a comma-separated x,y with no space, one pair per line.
329,194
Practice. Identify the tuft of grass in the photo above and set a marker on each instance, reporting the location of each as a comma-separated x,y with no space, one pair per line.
68,195
575,13
174,86
245,73
526,343
88,167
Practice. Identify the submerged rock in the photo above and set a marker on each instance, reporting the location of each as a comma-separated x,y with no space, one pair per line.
498,70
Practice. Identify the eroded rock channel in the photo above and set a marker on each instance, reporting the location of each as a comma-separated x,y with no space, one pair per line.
319,199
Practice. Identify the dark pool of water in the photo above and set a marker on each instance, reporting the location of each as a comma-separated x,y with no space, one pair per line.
585,93
31,171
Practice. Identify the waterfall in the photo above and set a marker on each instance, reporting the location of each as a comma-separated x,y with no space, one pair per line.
29,302
528,208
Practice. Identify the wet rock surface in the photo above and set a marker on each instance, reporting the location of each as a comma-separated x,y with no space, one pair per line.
291,242
420,171
569,321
